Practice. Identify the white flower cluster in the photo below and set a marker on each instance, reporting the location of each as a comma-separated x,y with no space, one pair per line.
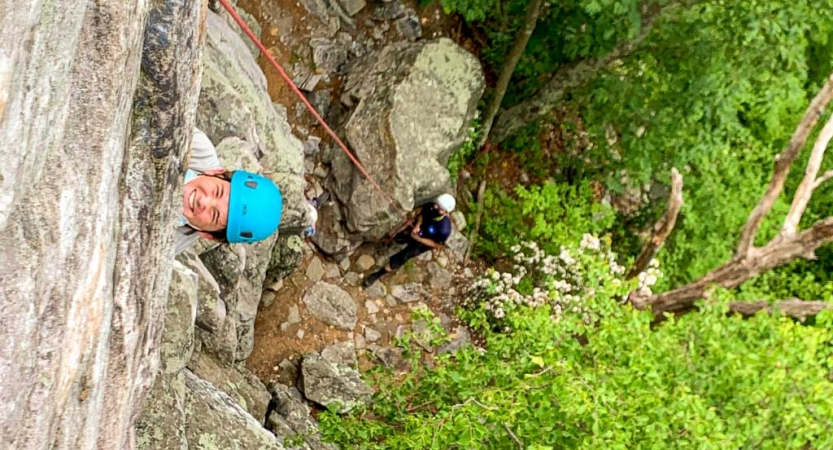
536,279
648,278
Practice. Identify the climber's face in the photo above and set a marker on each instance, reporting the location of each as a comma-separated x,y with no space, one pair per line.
205,203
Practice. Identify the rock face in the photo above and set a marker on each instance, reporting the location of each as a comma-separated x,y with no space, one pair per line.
237,382
215,403
185,412
92,158
235,103
178,334
411,106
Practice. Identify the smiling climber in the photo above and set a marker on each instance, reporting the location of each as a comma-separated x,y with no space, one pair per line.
221,205
429,231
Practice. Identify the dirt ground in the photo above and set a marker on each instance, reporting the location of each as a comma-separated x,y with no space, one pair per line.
276,339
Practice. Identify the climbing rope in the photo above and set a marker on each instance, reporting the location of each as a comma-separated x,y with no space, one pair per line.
309,106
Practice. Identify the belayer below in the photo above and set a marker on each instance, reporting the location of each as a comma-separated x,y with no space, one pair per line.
226,206
430,229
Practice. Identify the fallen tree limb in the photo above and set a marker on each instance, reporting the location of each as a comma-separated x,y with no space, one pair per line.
795,308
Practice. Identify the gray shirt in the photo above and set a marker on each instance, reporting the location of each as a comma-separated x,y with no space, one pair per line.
203,157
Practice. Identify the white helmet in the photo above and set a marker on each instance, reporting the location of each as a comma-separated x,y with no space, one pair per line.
446,202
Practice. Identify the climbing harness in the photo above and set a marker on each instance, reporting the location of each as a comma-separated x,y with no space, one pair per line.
306,102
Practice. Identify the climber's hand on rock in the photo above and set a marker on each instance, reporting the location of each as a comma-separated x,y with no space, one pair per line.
415,232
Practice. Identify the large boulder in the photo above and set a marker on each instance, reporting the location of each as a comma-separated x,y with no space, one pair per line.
291,420
235,103
214,421
331,379
237,382
93,152
412,104
185,412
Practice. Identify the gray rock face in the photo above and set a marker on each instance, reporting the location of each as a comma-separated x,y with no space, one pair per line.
187,413
333,382
411,107
352,7
214,421
332,305
162,424
234,102
286,256
87,189
178,334
236,382
211,310
327,55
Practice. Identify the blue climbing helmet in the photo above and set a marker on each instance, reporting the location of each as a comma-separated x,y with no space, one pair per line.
254,208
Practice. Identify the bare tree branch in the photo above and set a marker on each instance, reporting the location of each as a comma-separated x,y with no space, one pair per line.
512,58
663,227
795,308
512,435
572,76
730,275
481,191
783,161
824,177
805,190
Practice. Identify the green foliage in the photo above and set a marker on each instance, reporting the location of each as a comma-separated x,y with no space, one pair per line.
550,215
701,381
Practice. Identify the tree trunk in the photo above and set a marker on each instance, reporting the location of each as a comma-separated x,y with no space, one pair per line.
512,58
570,77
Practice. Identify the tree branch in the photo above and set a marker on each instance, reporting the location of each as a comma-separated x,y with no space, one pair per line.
512,435
663,227
795,308
805,190
512,58
824,177
572,76
783,161
778,252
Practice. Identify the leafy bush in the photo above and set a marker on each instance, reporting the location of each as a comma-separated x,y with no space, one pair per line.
617,381
550,214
